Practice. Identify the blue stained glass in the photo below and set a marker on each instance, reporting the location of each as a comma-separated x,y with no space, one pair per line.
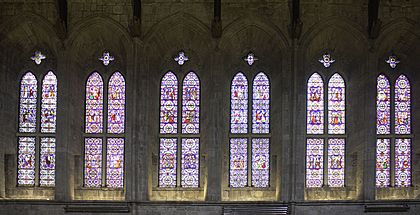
315,105
168,162
169,104
191,104
190,163
261,105
49,103
239,105
238,162
28,101
94,104
47,162
260,162
116,104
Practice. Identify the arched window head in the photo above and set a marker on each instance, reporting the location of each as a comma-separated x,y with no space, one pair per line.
261,104
169,104
383,106
191,104
28,103
336,105
239,105
94,104
116,104
49,103
402,106
315,105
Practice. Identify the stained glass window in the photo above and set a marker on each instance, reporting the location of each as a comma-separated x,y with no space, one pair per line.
94,104
28,103
26,161
261,104
49,103
314,162
239,105
383,106
47,162
336,162
315,105
336,105
169,104
260,162
191,104
115,162
116,104
238,162
402,106
383,163
190,162
168,162
403,162
93,162
189,146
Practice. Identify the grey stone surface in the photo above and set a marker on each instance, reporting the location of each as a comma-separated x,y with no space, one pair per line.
167,26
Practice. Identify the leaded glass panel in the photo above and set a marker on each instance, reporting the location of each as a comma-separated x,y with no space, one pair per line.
28,101
49,103
260,162
315,105
190,162
116,104
26,161
238,162
261,104
239,105
168,162
93,162
169,104
336,105
402,106
336,162
383,106
314,162
115,162
191,104
94,104
383,163
47,162
402,162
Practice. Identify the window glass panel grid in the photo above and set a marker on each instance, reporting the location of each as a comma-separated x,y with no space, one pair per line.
168,162
94,104
190,162
315,105
383,106
28,103
239,105
115,162
169,104
402,106
393,153
30,163
383,162
260,162
93,162
336,162
314,162
116,104
26,161
261,105
49,103
191,104
47,162
179,151
402,162
336,105
104,152
238,162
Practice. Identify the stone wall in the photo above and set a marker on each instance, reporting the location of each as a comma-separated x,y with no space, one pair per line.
144,52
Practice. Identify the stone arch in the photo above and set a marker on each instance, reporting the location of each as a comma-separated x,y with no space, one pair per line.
92,36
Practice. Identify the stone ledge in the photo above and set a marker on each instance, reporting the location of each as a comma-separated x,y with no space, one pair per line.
98,208
387,208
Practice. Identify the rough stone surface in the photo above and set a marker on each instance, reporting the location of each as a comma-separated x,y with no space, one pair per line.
144,51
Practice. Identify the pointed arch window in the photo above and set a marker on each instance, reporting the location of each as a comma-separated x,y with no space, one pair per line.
179,152
393,145
243,143
104,165
31,136
317,137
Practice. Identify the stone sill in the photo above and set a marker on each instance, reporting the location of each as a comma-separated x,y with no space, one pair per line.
330,193
171,189
99,194
395,193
